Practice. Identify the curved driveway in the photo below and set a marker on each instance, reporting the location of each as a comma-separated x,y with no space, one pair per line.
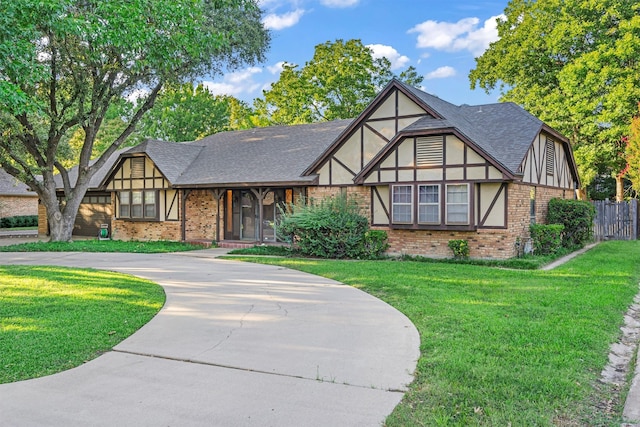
236,344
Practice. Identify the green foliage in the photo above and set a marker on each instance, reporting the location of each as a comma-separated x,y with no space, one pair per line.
95,245
56,318
184,113
338,83
332,228
577,218
501,347
66,62
547,238
459,247
268,250
632,152
573,64
19,221
376,243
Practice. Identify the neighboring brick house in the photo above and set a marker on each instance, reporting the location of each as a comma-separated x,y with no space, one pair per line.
425,171
15,197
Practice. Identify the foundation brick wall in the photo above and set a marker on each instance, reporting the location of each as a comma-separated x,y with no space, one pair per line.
145,230
18,205
202,210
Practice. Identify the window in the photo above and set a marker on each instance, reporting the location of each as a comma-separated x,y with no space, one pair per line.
125,204
429,204
402,204
138,204
457,204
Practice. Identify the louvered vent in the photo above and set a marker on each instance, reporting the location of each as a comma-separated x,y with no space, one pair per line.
429,151
550,156
137,167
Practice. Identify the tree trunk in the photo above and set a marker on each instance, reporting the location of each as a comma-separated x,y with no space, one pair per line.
619,188
62,217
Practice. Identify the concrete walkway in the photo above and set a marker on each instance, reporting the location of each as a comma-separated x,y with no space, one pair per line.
236,344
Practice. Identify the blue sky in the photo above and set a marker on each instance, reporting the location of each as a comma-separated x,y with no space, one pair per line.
439,38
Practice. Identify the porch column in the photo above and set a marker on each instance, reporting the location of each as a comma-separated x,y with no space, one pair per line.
185,194
260,193
218,194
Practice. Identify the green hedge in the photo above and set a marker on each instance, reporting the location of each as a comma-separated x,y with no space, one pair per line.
547,238
577,218
19,221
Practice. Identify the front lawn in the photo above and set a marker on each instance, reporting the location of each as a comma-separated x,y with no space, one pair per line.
56,318
502,347
95,245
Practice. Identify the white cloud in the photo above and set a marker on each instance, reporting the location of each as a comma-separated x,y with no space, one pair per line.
380,50
236,84
441,73
339,3
276,68
274,21
457,36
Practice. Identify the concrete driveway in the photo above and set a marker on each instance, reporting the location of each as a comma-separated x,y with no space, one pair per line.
236,344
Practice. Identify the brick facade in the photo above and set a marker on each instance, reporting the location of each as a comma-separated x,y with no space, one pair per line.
18,205
202,211
498,243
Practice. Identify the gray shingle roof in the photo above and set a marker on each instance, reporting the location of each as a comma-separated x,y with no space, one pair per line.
269,155
504,131
96,179
172,158
10,186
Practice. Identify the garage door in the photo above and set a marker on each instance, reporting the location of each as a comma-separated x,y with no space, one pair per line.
94,211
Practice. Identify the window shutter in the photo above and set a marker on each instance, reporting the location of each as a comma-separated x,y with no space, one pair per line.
429,151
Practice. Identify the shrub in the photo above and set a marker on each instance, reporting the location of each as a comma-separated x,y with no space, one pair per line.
19,221
547,238
577,218
460,248
332,228
376,243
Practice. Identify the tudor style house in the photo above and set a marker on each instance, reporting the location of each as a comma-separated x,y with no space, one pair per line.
424,170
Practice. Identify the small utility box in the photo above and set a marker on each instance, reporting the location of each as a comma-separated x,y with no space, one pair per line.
104,232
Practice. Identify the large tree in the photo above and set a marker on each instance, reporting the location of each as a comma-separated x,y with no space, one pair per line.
65,62
337,83
574,64
183,112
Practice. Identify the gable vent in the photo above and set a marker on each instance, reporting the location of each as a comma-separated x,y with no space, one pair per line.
137,167
550,156
429,151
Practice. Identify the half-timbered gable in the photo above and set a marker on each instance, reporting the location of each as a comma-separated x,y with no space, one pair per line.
549,162
392,111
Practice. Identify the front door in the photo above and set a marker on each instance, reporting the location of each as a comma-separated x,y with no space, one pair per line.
243,207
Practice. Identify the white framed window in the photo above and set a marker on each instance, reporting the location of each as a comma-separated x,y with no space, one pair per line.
457,204
429,204
138,204
402,204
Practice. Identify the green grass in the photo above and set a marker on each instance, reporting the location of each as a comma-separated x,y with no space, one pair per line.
55,318
528,262
265,250
503,347
95,245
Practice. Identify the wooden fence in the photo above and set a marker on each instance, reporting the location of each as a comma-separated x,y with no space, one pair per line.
615,220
